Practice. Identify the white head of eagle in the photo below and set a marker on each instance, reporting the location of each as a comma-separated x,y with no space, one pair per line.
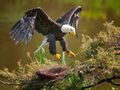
66,28
36,19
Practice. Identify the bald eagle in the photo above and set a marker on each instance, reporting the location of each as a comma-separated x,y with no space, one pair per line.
37,20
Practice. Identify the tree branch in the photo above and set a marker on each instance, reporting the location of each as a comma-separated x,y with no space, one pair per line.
109,80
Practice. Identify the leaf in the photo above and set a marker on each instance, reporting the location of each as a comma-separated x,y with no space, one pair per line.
43,56
63,58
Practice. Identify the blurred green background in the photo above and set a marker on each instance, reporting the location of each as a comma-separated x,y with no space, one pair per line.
94,14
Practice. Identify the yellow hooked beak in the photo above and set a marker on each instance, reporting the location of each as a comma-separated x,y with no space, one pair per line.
73,33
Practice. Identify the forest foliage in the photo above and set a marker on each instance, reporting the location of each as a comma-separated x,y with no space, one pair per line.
98,61
92,9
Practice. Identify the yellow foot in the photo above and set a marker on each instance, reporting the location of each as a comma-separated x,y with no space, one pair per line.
71,54
57,56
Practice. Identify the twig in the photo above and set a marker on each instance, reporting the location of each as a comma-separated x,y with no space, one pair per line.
15,83
9,83
109,80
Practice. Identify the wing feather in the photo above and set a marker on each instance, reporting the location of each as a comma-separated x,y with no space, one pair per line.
22,28
34,19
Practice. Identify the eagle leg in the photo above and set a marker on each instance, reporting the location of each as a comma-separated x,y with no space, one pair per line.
64,44
52,46
44,43
65,48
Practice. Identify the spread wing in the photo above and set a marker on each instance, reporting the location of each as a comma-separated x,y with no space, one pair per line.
71,17
34,19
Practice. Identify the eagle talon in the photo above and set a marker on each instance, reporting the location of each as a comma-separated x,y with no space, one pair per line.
71,54
58,56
